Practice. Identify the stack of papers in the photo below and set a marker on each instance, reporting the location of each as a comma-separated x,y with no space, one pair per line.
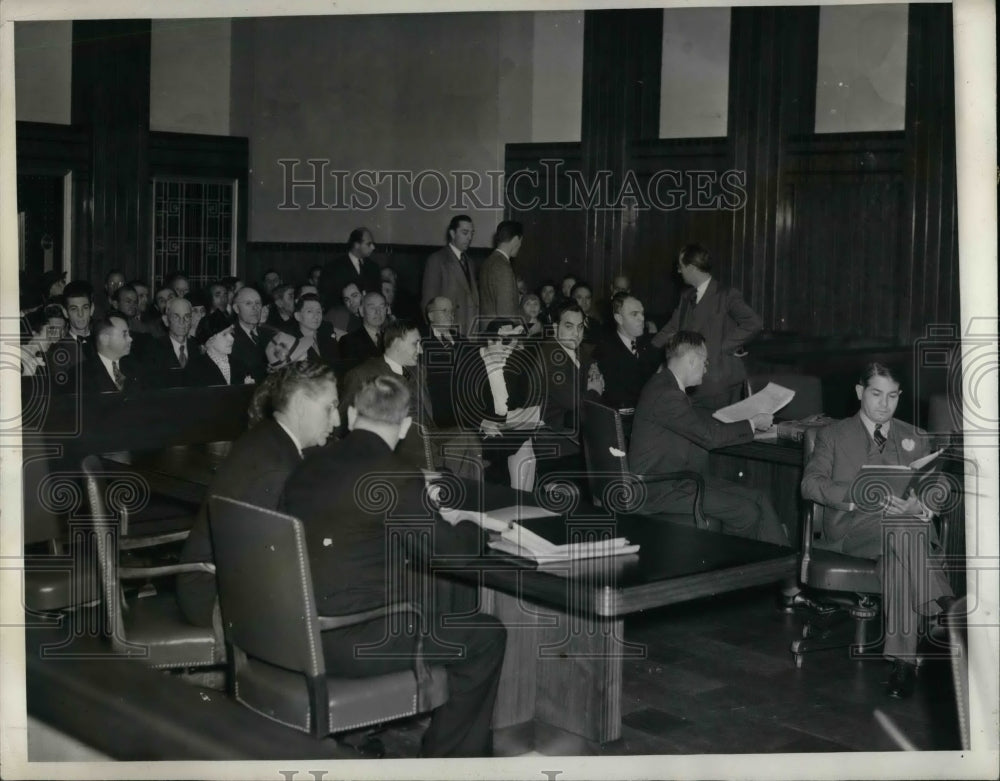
769,400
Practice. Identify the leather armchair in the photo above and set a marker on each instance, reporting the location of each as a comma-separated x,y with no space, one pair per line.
148,627
850,581
606,432
272,632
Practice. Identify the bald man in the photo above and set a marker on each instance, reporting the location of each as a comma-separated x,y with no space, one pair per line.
166,357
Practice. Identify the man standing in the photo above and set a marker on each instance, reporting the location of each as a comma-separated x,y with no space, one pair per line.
357,267
449,273
627,359
498,296
670,434
911,587
248,342
720,314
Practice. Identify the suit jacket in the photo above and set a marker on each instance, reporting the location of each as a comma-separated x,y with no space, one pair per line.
326,350
356,348
842,448
339,272
94,378
625,374
440,360
726,322
498,296
160,364
669,434
443,276
289,326
77,350
420,404
346,535
202,371
563,391
255,471
248,354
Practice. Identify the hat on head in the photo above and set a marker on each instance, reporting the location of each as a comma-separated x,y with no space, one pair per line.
212,324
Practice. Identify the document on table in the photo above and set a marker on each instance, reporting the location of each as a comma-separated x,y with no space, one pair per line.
769,400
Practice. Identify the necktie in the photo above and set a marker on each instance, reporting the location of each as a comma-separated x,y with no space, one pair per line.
253,336
635,347
117,375
182,355
879,437
463,261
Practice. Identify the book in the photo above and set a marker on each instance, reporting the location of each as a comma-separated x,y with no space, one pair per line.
795,430
875,482
769,399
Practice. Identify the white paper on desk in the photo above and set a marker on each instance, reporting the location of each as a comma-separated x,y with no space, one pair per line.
485,520
523,418
769,400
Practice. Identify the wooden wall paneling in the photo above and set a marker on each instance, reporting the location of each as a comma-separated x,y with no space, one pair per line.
554,229
621,90
930,248
110,99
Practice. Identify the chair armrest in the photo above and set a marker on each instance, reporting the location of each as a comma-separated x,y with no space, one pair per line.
137,573
151,540
700,521
350,619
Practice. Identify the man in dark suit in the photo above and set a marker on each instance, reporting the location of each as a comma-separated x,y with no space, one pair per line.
353,556
912,588
357,266
725,320
257,467
626,359
669,434
441,347
366,342
78,297
248,341
103,373
400,359
498,296
280,315
166,358
449,273
566,380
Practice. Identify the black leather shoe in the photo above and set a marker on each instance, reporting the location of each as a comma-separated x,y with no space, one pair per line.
902,680
787,603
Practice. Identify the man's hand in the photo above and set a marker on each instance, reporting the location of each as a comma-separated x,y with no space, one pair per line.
911,506
762,421
490,428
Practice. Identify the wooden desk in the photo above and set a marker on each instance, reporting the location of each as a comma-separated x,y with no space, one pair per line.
775,468
565,622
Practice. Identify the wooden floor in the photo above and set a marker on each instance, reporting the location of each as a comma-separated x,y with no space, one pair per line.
718,678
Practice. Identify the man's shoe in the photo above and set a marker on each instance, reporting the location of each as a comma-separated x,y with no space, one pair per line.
787,603
902,680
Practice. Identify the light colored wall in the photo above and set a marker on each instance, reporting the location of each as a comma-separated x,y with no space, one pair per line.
861,73
694,76
189,76
43,64
557,78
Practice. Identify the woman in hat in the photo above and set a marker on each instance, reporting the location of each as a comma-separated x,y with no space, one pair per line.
216,366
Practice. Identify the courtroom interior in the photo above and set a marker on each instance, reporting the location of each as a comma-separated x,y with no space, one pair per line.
372,367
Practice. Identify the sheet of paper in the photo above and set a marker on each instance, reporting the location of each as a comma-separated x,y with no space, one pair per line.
768,400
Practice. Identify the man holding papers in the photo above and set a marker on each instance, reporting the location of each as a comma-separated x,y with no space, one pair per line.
670,434
910,586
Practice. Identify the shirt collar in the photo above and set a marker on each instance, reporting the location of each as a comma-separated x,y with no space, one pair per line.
397,368
700,290
503,253
291,436
626,340
570,353
455,251
108,365
869,425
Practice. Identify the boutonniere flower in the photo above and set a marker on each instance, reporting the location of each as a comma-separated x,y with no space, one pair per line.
908,445
248,380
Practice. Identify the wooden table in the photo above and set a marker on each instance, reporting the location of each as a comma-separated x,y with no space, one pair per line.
565,621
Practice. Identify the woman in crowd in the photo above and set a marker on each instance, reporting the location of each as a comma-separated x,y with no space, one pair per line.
316,338
216,365
531,308
292,410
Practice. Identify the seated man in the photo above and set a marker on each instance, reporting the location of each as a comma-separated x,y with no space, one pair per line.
345,315
104,373
910,586
400,359
669,435
280,315
366,342
294,409
626,358
166,358
347,541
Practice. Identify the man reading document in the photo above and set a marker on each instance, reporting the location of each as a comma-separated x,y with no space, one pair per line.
911,586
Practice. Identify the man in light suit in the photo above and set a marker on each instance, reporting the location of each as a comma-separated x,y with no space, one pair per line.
498,296
720,314
449,273
911,587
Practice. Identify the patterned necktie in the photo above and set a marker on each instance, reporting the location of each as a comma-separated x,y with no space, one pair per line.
635,347
182,355
879,437
463,261
117,375
253,336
